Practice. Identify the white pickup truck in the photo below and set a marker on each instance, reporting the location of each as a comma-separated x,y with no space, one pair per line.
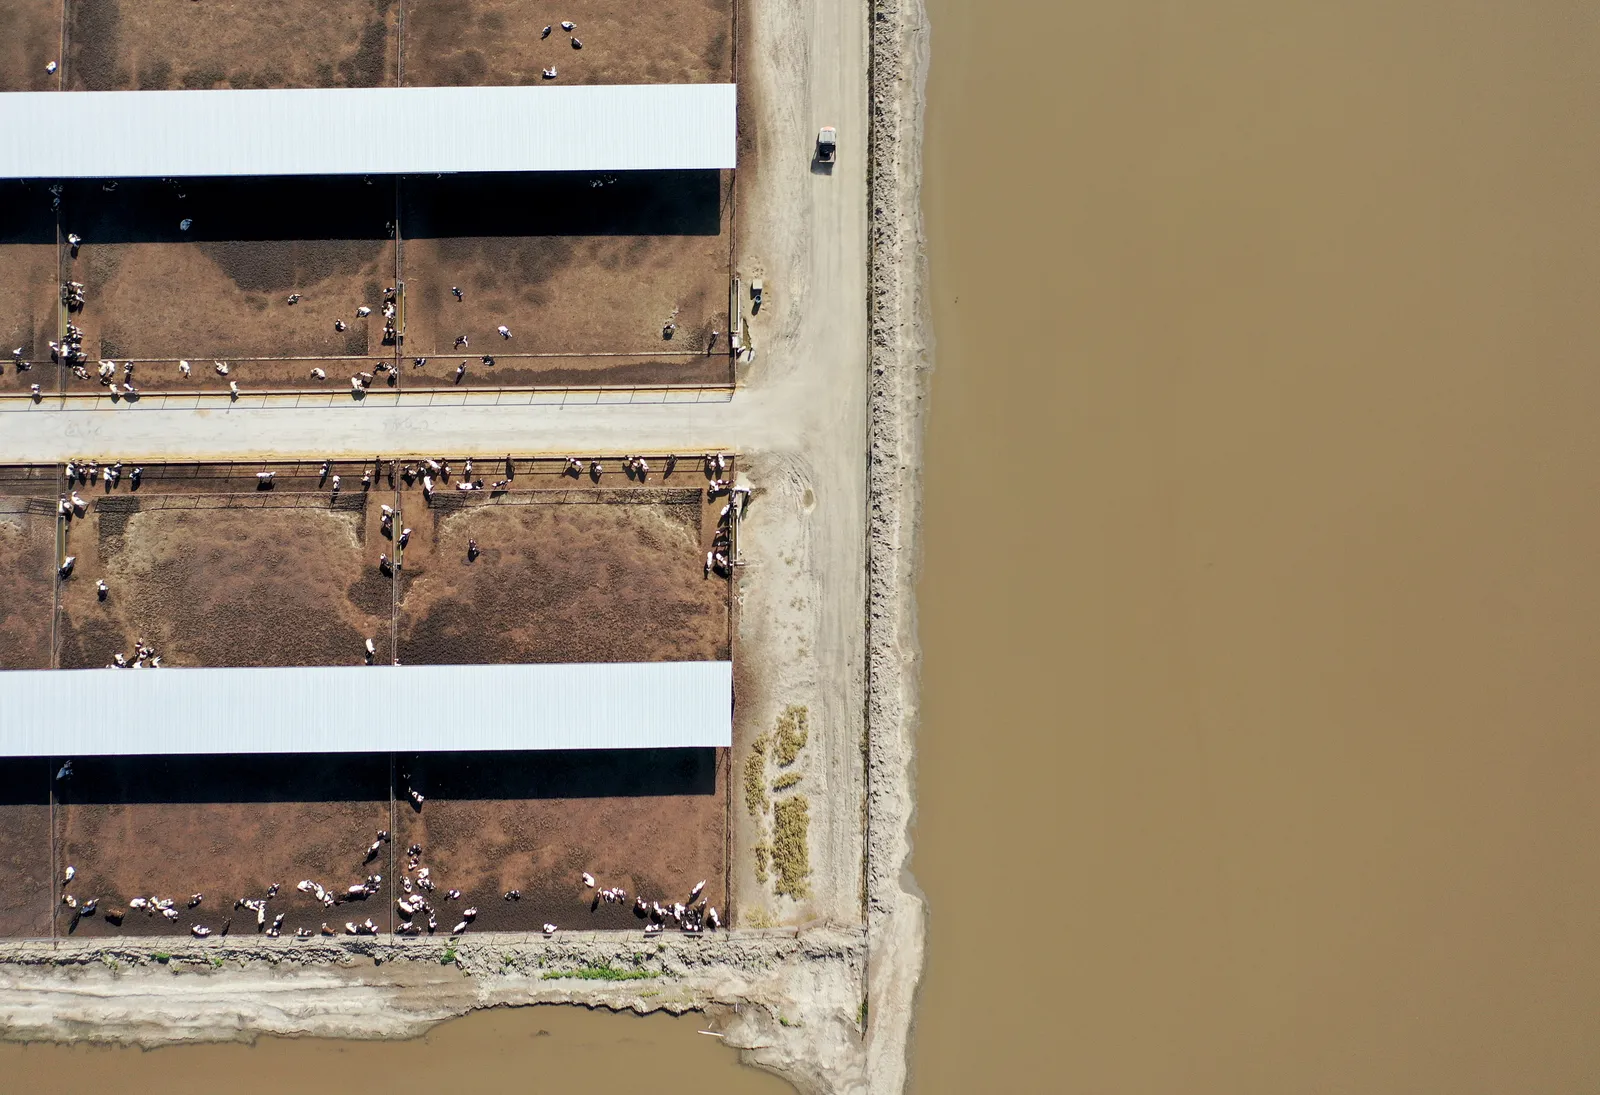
827,140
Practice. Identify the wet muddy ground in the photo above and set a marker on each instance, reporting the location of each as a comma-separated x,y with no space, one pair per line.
649,821
222,827
27,898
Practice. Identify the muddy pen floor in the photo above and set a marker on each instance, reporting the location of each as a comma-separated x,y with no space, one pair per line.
284,564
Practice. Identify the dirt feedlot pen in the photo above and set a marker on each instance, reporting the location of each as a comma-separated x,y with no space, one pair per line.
588,296
290,577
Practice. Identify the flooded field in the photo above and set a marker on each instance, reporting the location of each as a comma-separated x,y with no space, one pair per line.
1295,716
563,1046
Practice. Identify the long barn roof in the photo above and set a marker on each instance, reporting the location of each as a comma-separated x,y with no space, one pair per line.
356,709
366,131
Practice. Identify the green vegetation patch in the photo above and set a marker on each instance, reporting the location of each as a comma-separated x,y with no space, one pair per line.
601,973
792,732
791,858
755,777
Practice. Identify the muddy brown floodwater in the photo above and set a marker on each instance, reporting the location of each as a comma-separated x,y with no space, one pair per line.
1261,607
536,1048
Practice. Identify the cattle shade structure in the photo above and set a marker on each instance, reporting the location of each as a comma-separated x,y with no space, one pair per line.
366,131
355,709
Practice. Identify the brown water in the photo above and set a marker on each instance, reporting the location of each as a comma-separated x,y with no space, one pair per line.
529,1049
1261,607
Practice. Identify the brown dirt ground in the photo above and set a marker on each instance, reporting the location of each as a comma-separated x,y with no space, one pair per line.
567,266
595,579
26,899
452,42
650,821
29,294
239,577
225,827
27,565
220,289
169,44
30,38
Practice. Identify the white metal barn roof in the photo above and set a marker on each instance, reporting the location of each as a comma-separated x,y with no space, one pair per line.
357,709
365,131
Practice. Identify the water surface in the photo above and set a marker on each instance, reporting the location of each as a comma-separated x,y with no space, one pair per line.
1261,607
546,1048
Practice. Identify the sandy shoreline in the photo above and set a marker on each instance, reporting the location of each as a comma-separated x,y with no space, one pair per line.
860,475
901,348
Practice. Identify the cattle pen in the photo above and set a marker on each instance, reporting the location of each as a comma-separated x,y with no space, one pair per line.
291,672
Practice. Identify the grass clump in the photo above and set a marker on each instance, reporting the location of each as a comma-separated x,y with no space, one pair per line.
791,857
601,973
755,777
758,918
162,956
762,855
786,781
448,956
792,732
